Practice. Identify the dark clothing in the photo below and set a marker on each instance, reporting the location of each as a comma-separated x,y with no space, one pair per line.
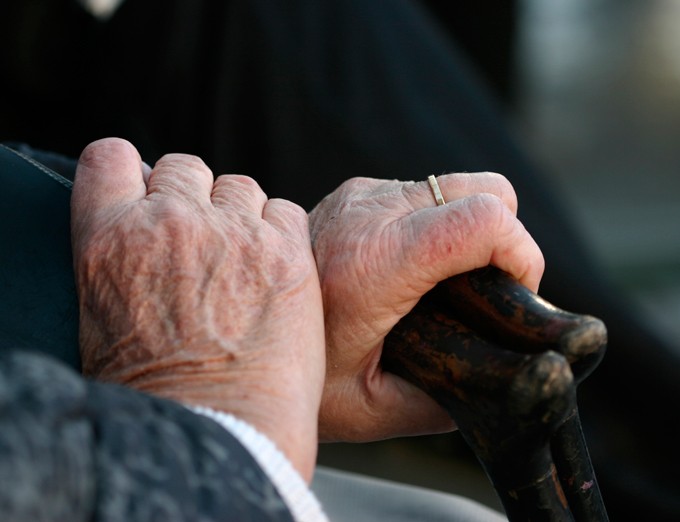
38,303
73,450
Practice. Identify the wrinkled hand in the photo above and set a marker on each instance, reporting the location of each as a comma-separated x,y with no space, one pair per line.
199,291
380,246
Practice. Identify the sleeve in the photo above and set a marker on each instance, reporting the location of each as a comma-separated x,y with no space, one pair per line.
302,503
76,450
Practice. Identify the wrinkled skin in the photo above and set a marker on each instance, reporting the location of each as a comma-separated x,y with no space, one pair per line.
199,291
206,292
379,246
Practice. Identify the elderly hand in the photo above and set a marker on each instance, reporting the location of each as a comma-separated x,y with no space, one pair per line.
380,246
200,291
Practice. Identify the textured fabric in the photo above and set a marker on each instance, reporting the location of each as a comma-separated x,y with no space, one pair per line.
76,450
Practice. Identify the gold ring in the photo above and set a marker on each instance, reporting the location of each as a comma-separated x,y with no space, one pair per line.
438,196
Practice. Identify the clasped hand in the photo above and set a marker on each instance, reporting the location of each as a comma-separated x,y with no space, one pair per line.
202,290
199,290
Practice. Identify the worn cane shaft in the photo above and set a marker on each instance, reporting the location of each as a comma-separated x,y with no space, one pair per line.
490,301
507,405
497,320
575,471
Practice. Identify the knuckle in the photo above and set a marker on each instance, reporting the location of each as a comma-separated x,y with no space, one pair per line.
181,166
486,209
504,189
241,184
359,188
347,196
500,180
241,179
355,184
104,149
288,206
488,182
289,215
498,183
184,159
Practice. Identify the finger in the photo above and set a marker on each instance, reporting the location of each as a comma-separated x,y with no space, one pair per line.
109,173
461,185
288,218
471,233
181,176
236,193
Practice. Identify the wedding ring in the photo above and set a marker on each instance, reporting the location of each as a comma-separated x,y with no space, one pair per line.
438,196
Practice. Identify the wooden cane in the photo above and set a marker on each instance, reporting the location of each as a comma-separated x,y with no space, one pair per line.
490,301
506,364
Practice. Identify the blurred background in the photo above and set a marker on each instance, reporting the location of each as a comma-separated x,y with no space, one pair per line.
598,103
589,88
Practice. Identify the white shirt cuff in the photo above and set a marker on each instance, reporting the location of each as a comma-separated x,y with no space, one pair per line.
300,500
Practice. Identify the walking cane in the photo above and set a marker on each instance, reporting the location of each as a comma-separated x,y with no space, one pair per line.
506,364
